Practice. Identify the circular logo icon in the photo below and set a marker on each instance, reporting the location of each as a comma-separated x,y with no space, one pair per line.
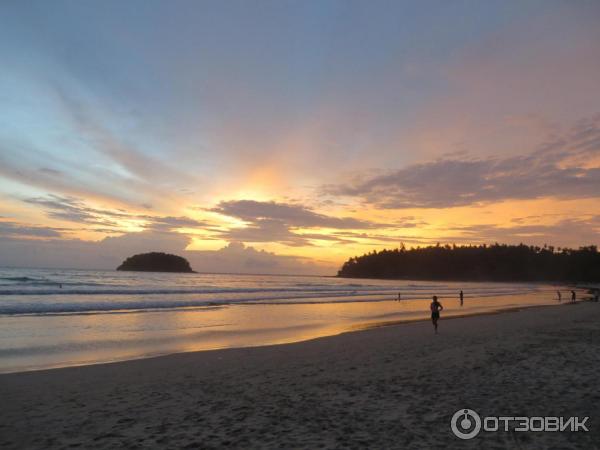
465,424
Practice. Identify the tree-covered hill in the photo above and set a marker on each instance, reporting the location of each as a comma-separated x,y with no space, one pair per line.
156,262
493,263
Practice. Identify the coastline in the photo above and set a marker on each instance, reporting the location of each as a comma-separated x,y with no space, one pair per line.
354,329
390,386
102,338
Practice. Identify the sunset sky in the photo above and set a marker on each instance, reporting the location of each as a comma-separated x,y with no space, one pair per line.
286,136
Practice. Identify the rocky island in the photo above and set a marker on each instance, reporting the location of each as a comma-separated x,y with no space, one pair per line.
156,262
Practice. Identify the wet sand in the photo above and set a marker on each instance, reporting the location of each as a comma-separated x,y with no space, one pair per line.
390,387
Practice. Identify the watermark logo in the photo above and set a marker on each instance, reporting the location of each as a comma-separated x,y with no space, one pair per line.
466,424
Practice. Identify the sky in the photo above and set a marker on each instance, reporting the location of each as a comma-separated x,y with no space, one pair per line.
287,136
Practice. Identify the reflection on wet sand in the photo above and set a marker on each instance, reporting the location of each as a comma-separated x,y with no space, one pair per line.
79,339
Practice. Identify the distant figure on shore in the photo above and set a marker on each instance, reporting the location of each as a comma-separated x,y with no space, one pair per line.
559,296
462,297
399,296
435,307
573,296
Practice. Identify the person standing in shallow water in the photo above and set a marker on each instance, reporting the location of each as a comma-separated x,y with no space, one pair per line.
559,296
573,296
435,307
462,297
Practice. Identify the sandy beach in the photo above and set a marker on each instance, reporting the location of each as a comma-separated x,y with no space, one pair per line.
390,387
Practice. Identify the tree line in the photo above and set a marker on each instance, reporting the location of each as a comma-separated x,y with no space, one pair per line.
498,262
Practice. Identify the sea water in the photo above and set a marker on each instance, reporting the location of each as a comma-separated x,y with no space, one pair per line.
55,318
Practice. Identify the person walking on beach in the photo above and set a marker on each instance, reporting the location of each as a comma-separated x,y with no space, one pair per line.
462,297
559,296
435,307
399,296
573,296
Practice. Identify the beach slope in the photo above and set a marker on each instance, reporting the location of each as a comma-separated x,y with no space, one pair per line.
390,387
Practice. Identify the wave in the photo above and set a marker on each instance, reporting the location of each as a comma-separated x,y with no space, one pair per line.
165,291
17,278
25,280
148,305
74,292
12,282
66,291
35,284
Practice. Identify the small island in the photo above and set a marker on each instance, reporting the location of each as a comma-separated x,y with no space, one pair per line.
156,262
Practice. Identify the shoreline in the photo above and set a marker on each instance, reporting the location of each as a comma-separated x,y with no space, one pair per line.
358,327
385,387
515,309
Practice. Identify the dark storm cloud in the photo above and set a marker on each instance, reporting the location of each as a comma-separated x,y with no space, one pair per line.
556,169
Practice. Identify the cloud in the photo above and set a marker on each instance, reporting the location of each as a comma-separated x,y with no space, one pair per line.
168,223
276,222
265,231
72,209
19,162
111,251
86,155
566,168
50,171
238,258
571,232
28,231
512,86
376,239
75,253
293,215
140,165
266,221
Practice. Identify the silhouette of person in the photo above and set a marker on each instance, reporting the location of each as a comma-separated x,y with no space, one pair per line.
559,296
435,307
462,297
573,296
399,296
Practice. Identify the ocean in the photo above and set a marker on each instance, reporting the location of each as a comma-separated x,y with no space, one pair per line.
55,318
